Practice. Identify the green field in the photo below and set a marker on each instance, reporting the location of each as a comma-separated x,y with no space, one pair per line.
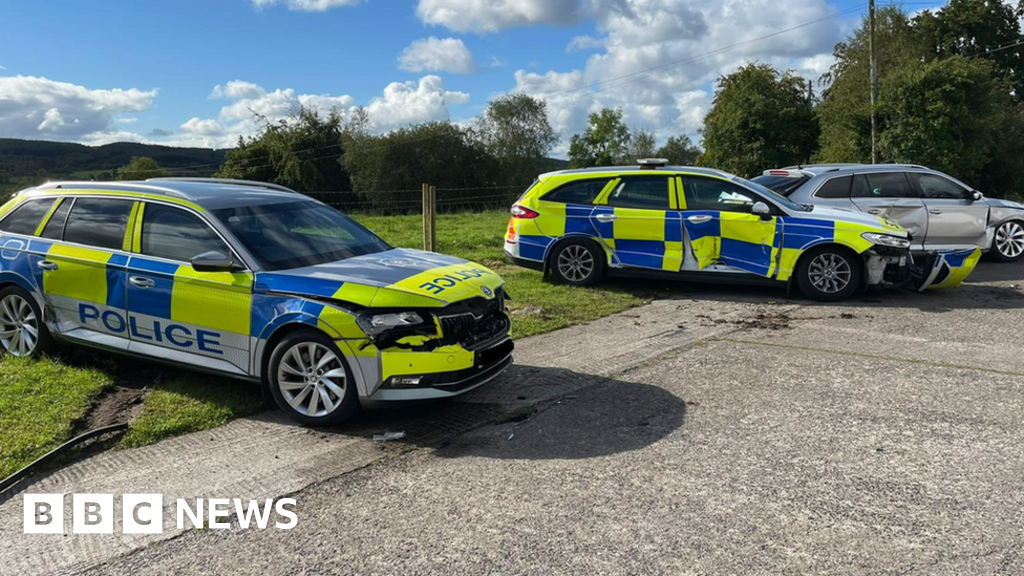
40,402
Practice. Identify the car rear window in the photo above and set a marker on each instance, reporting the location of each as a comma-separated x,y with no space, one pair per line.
835,188
98,222
26,218
782,184
580,192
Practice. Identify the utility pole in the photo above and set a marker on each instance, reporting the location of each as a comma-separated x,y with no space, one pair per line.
874,81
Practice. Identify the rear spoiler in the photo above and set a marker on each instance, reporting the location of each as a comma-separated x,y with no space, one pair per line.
785,173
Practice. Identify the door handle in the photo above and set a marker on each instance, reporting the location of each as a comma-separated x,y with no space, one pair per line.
47,265
699,219
935,211
875,211
606,218
140,282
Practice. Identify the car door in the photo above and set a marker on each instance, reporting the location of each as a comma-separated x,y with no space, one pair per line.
891,195
638,219
84,270
721,228
176,312
955,219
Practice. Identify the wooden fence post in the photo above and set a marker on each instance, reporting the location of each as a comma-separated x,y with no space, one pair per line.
429,218
433,219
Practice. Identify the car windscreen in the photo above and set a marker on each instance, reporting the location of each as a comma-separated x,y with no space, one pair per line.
297,234
772,195
782,184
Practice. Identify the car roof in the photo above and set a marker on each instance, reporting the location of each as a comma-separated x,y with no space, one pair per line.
636,168
207,193
816,169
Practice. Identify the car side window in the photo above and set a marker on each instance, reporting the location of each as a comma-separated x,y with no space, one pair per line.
882,185
54,229
645,192
581,192
178,235
835,188
719,195
99,222
26,218
938,187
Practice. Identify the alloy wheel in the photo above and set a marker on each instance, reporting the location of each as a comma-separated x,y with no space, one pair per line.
830,273
19,327
1010,239
312,379
576,263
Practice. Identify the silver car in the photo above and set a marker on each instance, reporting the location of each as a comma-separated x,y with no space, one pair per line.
939,211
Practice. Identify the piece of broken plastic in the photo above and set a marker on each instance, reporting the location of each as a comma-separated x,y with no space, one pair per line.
388,436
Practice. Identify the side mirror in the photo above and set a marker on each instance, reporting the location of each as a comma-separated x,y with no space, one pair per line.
977,196
214,262
762,210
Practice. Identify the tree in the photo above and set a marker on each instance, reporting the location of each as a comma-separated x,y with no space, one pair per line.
301,152
679,151
986,29
946,114
759,119
845,110
388,169
642,144
603,142
140,168
515,131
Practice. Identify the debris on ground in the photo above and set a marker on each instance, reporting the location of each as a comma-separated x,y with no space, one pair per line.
388,436
527,311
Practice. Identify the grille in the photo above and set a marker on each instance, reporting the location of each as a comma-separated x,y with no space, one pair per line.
476,323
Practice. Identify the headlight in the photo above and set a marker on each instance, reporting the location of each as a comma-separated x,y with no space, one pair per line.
374,324
886,240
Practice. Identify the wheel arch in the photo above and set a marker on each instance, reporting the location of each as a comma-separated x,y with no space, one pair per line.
856,257
568,238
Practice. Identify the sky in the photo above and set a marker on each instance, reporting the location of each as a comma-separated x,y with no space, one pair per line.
193,72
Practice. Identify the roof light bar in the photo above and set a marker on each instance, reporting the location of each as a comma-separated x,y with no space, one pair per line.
652,163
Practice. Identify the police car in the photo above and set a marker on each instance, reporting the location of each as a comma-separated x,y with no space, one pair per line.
249,280
702,224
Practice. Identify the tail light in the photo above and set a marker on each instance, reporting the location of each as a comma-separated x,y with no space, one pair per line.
519,211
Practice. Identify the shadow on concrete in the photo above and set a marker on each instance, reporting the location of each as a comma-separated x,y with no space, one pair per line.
588,417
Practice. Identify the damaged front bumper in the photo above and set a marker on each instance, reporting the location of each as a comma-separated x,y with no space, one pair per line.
462,346
892,267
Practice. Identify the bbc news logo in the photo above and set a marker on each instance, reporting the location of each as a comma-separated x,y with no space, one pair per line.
144,513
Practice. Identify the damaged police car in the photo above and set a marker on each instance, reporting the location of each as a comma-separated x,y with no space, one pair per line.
248,280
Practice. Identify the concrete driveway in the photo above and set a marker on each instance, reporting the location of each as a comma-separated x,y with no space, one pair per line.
722,431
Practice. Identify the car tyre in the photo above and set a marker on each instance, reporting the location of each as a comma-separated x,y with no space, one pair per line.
1008,243
578,263
23,332
310,380
828,274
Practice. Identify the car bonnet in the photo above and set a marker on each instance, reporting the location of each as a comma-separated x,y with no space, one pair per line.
858,219
395,278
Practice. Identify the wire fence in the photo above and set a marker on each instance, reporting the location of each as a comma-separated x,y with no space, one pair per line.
410,201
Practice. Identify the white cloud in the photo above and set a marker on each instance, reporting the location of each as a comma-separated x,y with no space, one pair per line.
660,57
305,5
493,15
436,54
34,107
401,103
584,43
202,127
410,102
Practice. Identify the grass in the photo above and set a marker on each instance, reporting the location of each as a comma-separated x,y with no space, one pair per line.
40,401
190,403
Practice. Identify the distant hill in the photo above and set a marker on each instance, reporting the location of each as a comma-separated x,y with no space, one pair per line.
28,162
